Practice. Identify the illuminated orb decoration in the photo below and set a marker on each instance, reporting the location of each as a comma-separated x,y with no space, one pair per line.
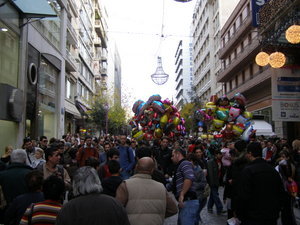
277,59
292,34
262,59
159,77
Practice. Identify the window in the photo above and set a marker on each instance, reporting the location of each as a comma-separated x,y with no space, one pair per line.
251,70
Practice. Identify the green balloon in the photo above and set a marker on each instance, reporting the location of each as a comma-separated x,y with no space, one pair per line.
221,115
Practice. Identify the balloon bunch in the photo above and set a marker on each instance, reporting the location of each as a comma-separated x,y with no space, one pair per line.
156,118
226,119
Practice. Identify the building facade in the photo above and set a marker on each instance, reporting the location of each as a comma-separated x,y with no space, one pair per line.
208,19
183,72
240,43
55,69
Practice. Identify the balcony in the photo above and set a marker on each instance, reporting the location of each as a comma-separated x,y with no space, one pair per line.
97,77
242,59
179,74
100,32
231,44
253,83
71,64
103,71
71,34
97,42
73,7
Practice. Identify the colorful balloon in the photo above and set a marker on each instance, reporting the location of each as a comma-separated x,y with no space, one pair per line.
241,119
233,113
218,124
163,120
239,98
139,136
222,115
246,134
176,121
248,115
158,133
237,130
158,107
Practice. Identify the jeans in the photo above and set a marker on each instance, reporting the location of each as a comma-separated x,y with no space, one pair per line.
214,199
125,175
202,203
188,214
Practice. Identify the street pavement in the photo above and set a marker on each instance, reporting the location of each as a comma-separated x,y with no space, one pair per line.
214,219
207,218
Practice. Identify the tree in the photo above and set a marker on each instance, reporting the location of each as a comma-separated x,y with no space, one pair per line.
107,110
116,119
97,114
187,112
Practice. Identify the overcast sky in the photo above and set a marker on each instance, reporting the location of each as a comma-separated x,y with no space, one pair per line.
136,26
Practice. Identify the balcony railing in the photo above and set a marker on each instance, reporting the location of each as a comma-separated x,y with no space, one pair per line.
72,32
241,60
71,61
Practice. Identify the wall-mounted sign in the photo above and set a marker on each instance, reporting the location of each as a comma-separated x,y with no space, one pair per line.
32,74
256,5
285,95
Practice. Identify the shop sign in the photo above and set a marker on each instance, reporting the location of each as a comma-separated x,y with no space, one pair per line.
285,96
256,5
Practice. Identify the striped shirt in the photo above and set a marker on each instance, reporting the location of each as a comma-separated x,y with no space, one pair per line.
184,171
43,213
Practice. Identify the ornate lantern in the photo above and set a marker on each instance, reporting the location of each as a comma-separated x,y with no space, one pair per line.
277,59
292,34
159,77
262,59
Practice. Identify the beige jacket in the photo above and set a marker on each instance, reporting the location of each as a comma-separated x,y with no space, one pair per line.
146,201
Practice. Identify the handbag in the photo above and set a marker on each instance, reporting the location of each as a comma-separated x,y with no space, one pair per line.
292,187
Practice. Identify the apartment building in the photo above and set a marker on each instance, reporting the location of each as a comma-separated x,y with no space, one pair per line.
240,73
208,18
54,70
184,72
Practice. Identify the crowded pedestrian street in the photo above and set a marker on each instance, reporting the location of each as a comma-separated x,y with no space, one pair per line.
149,112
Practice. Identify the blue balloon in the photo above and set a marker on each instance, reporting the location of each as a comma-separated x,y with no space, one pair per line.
200,124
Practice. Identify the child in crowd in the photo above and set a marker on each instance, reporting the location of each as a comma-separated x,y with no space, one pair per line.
38,158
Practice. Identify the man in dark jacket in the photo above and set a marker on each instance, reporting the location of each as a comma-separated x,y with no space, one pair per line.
215,178
163,157
12,180
260,193
90,207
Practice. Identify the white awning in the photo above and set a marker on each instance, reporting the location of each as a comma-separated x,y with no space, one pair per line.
263,128
71,108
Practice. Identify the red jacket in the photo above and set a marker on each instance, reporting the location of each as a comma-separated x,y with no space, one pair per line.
84,153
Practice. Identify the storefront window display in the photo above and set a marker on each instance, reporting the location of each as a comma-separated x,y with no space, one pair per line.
47,99
9,56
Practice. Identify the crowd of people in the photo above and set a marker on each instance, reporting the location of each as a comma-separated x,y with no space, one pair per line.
118,180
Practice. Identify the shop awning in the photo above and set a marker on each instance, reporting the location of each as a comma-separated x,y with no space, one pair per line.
34,8
263,128
71,108
81,108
